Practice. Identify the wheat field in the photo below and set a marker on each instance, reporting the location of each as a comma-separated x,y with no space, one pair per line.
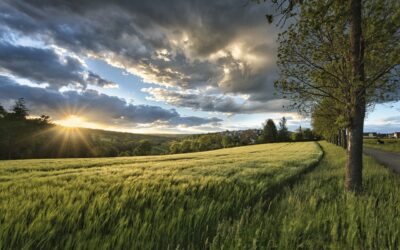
154,202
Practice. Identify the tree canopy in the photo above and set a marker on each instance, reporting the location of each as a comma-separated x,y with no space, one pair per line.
341,58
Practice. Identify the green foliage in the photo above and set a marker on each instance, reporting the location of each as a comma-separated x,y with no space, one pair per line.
211,141
157,202
144,148
324,119
283,132
315,63
298,135
270,133
227,141
20,111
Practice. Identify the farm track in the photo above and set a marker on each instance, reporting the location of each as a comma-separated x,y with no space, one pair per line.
290,182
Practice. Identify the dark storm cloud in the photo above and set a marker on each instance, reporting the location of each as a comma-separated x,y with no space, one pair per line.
43,65
195,44
92,105
210,102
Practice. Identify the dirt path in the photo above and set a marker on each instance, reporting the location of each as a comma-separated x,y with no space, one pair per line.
389,159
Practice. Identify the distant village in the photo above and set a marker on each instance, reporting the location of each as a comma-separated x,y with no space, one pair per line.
395,135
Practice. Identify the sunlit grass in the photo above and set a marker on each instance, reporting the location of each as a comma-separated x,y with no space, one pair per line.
317,213
156,202
237,198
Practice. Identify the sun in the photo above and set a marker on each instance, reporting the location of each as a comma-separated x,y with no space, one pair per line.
72,121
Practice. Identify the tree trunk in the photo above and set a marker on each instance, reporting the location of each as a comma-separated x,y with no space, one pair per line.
354,164
344,138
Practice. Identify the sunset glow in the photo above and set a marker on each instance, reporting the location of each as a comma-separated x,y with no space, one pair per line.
73,121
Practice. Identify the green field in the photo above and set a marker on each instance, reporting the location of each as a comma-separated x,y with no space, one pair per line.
140,202
252,197
392,145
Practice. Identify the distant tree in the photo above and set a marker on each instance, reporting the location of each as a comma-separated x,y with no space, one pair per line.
298,135
204,142
124,154
194,146
283,132
227,141
44,119
325,123
144,148
19,110
186,146
174,147
308,134
270,133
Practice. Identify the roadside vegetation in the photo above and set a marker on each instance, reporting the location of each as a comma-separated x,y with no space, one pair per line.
392,145
317,213
152,202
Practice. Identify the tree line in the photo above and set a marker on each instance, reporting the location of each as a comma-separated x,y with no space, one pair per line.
336,60
268,134
23,137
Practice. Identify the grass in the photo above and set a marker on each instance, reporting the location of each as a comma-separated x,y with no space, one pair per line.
392,145
157,202
316,213
212,200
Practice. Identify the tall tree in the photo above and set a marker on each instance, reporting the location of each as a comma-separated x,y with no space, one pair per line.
283,132
270,133
20,111
336,52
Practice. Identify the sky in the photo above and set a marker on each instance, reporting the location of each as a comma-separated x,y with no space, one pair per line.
149,66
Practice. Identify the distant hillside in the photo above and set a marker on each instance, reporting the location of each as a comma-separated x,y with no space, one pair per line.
37,138
126,136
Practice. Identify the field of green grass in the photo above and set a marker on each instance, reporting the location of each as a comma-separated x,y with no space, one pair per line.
316,212
251,197
155,202
392,145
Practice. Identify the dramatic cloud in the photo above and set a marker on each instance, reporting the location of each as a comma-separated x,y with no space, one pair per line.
192,45
213,102
46,66
96,107
392,120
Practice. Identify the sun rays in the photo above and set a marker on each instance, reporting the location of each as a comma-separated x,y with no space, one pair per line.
72,121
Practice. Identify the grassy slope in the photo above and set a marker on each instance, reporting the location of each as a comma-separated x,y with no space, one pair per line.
392,145
316,213
140,202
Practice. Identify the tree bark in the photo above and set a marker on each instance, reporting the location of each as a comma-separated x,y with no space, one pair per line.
344,138
354,164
